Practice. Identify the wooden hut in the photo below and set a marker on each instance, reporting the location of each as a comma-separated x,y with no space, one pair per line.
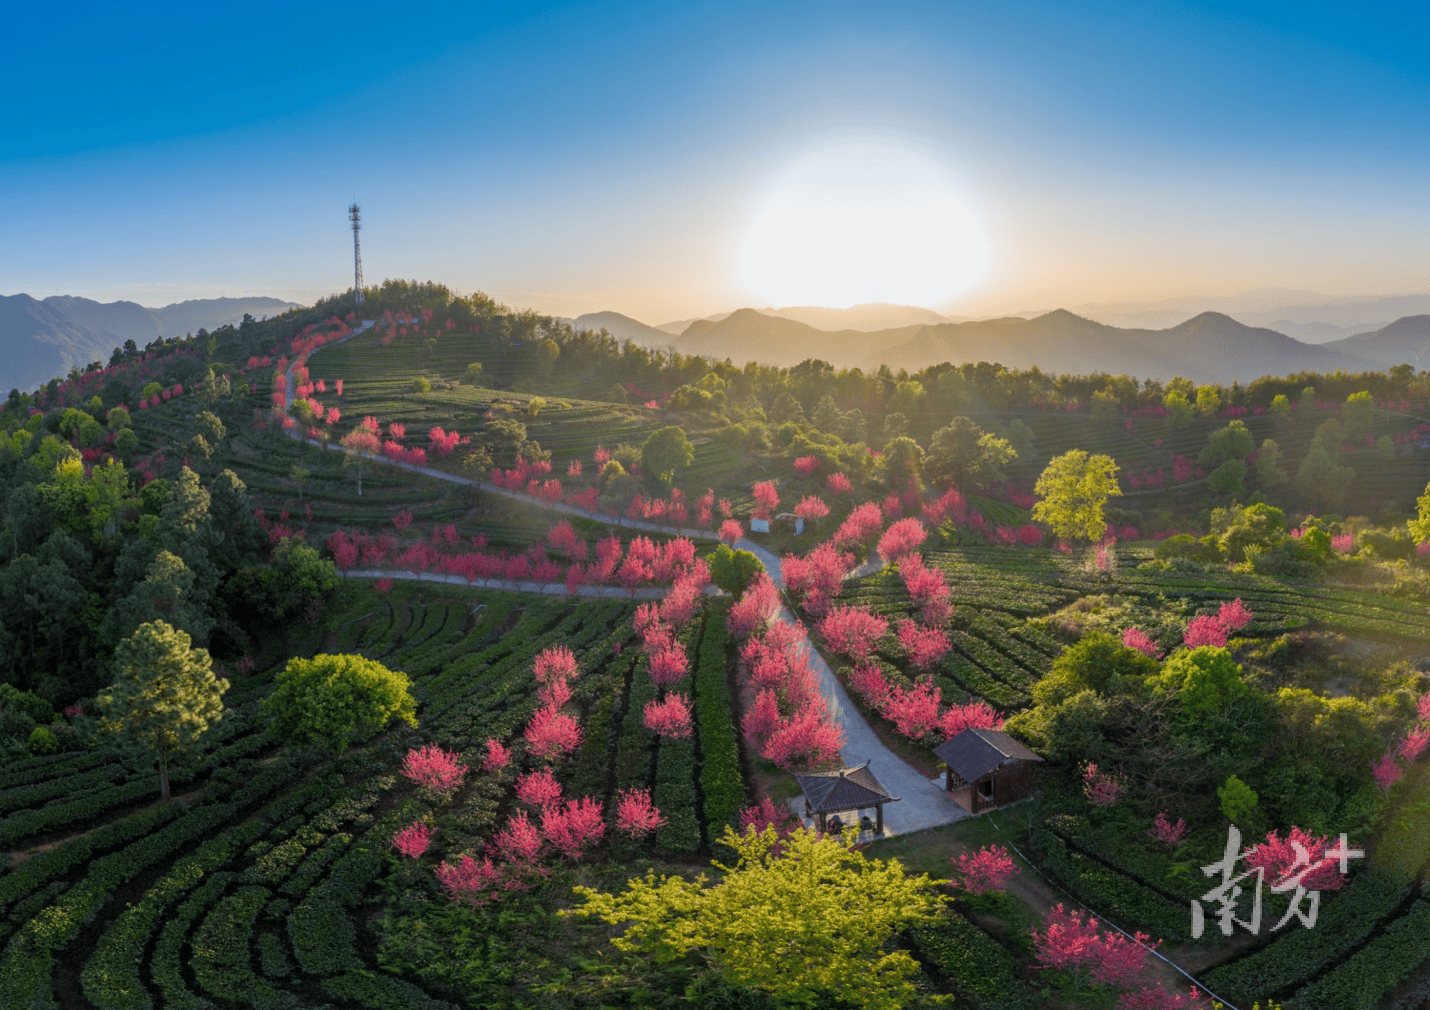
844,791
986,768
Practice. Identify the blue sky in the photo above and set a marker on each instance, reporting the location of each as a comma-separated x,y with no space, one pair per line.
580,157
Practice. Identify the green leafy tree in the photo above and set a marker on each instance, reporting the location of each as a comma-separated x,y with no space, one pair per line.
907,398
125,441
1232,442
1204,679
208,425
1260,526
1356,414
1321,477
1074,487
119,418
473,375
548,352
732,570
332,700
1268,468
1179,410
1420,525
164,695
166,594
419,385
1097,662
902,461
1280,410
806,919
964,456
1229,478
665,452
1238,800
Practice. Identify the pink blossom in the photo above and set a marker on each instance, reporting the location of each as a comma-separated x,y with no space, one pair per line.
555,662
806,465
811,507
552,734
636,815
668,665
413,840
1409,749
434,768
1386,773
838,484
765,815
915,712
853,631
860,527
767,499
1281,860
924,646
1101,788
467,878
1149,998
1204,631
974,715
573,827
1166,832
900,538
756,608
519,841
1134,638
989,869
670,717
807,739
538,789
869,682
1233,616
498,756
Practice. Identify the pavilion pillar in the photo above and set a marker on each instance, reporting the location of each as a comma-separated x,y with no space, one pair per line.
879,820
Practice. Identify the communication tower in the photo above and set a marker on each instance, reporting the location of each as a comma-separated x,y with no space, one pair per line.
355,216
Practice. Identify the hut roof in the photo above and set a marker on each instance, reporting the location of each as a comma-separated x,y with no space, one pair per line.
976,752
846,789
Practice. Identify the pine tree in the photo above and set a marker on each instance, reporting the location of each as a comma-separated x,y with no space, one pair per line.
164,695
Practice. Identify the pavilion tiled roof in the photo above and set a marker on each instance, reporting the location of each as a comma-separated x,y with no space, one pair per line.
976,752
846,789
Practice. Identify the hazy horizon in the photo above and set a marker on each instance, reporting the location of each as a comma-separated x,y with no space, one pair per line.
675,162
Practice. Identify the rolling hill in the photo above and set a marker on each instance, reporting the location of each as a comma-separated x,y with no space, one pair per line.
42,339
1405,341
623,327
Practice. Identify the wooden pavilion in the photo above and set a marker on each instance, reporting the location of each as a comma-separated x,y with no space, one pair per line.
986,768
842,791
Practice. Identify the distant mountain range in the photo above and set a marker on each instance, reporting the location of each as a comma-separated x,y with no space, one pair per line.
1209,347
43,339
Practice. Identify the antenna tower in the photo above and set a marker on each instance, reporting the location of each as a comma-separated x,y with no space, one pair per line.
355,216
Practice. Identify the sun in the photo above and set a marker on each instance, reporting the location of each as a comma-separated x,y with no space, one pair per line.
862,222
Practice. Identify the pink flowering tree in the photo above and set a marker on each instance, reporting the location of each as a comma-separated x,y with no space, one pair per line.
1408,750
869,682
767,499
668,665
854,631
519,841
1168,833
1102,789
1234,616
413,840
900,538
552,734
756,608
805,740
497,758
1387,772
974,715
573,827
731,530
914,713
1204,630
1280,858
555,662
668,717
806,465
923,646
1135,638
538,789
811,507
636,815
434,768
838,484
988,869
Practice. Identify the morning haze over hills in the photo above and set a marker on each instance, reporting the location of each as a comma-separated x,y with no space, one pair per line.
44,338
1246,339
1159,340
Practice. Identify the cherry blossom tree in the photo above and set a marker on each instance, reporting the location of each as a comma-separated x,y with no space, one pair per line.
668,665
914,712
1135,638
838,484
1102,789
807,739
564,541
556,662
636,815
573,827
552,734
1069,943
731,530
756,609
434,768
900,538
1122,960
519,841
466,879
1414,744
1204,630
765,815
555,694
868,680
818,577
497,758
1233,616
1280,860
811,507
1166,832
923,646
974,715
413,840
988,869
806,465
1157,998
860,527
669,717
538,789
854,631
767,499
1386,773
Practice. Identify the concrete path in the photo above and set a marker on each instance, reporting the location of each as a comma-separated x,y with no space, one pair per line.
922,804
517,585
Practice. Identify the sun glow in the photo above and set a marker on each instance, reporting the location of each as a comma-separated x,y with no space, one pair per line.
862,222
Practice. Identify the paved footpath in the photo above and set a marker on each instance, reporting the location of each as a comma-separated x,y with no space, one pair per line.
922,803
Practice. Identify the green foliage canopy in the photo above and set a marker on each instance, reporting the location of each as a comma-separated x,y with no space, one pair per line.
808,925
164,695
333,699
964,456
666,451
732,570
1073,488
